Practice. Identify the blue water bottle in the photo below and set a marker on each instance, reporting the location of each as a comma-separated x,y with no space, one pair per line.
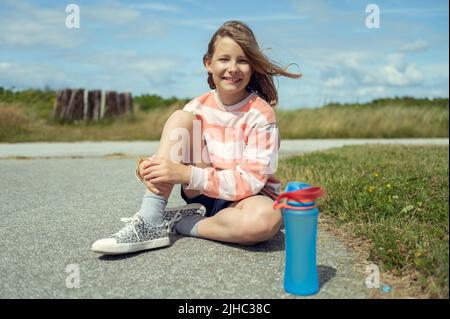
300,216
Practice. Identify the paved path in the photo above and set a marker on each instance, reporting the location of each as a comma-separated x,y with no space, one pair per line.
53,209
88,149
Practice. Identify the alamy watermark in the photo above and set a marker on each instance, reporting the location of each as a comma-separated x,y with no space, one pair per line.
373,19
257,149
73,19
373,280
73,279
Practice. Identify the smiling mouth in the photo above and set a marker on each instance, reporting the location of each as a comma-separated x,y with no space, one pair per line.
231,80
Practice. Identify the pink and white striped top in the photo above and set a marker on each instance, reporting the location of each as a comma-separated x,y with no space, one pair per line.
242,143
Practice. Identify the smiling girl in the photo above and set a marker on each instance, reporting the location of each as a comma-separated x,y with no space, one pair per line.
230,186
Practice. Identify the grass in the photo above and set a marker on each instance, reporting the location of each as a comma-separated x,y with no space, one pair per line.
365,122
19,125
392,198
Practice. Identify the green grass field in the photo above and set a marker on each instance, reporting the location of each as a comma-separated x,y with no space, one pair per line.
394,198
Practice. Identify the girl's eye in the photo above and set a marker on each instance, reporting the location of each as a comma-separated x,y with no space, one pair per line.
243,61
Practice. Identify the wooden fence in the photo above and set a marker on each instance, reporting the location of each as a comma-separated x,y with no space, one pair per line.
79,104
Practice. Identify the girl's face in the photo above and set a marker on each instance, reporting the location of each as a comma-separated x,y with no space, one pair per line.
230,69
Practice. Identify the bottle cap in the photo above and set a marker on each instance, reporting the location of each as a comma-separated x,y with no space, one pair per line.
295,186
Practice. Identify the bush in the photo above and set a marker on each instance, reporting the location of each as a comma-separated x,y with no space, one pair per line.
13,123
398,101
39,102
149,102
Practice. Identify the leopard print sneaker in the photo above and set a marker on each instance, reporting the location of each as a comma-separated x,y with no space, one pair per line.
138,235
135,236
175,214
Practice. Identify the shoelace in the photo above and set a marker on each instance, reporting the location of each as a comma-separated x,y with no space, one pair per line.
177,217
173,221
132,221
128,219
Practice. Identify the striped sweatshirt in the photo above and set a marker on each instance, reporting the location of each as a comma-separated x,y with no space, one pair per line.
242,143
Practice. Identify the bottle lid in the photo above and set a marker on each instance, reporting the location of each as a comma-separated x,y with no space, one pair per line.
295,186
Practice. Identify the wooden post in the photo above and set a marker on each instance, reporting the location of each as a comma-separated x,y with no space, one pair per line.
74,108
102,104
94,104
78,104
85,104
121,105
110,104
128,103
61,101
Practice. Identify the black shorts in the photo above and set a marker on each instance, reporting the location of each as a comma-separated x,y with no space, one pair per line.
212,205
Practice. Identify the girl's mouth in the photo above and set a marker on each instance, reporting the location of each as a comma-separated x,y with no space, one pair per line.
231,80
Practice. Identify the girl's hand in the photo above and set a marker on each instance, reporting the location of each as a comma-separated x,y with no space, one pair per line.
161,188
161,170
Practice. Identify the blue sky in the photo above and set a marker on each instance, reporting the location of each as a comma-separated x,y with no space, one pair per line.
156,47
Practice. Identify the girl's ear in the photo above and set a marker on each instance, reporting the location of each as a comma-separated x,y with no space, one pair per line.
207,63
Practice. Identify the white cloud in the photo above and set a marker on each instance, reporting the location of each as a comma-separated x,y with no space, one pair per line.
127,71
26,25
409,77
32,75
335,82
416,46
5,65
157,7
370,91
359,69
214,23
396,60
110,12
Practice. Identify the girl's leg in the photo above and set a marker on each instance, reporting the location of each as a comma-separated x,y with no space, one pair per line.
182,121
247,221
156,196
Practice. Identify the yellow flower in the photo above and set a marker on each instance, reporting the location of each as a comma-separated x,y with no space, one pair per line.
389,186
371,189
376,174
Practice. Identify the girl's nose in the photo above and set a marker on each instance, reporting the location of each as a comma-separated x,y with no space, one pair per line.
232,68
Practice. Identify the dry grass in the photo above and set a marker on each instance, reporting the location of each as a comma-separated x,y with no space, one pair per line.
364,122
21,124
13,121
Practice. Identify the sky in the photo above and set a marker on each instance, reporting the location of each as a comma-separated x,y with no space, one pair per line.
156,47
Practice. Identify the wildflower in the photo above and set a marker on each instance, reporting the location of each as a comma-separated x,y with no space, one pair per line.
395,197
407,209
371,189
376,174
389,186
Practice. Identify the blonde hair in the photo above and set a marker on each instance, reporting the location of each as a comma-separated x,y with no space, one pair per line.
261,81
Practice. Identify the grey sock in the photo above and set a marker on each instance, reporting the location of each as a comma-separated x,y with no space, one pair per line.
188,225
152,208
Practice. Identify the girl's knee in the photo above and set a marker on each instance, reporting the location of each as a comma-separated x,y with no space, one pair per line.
260,227
182,118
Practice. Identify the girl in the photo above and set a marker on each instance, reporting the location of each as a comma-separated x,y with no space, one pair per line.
227,172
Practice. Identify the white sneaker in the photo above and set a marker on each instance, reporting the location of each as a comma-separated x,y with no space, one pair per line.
138,235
